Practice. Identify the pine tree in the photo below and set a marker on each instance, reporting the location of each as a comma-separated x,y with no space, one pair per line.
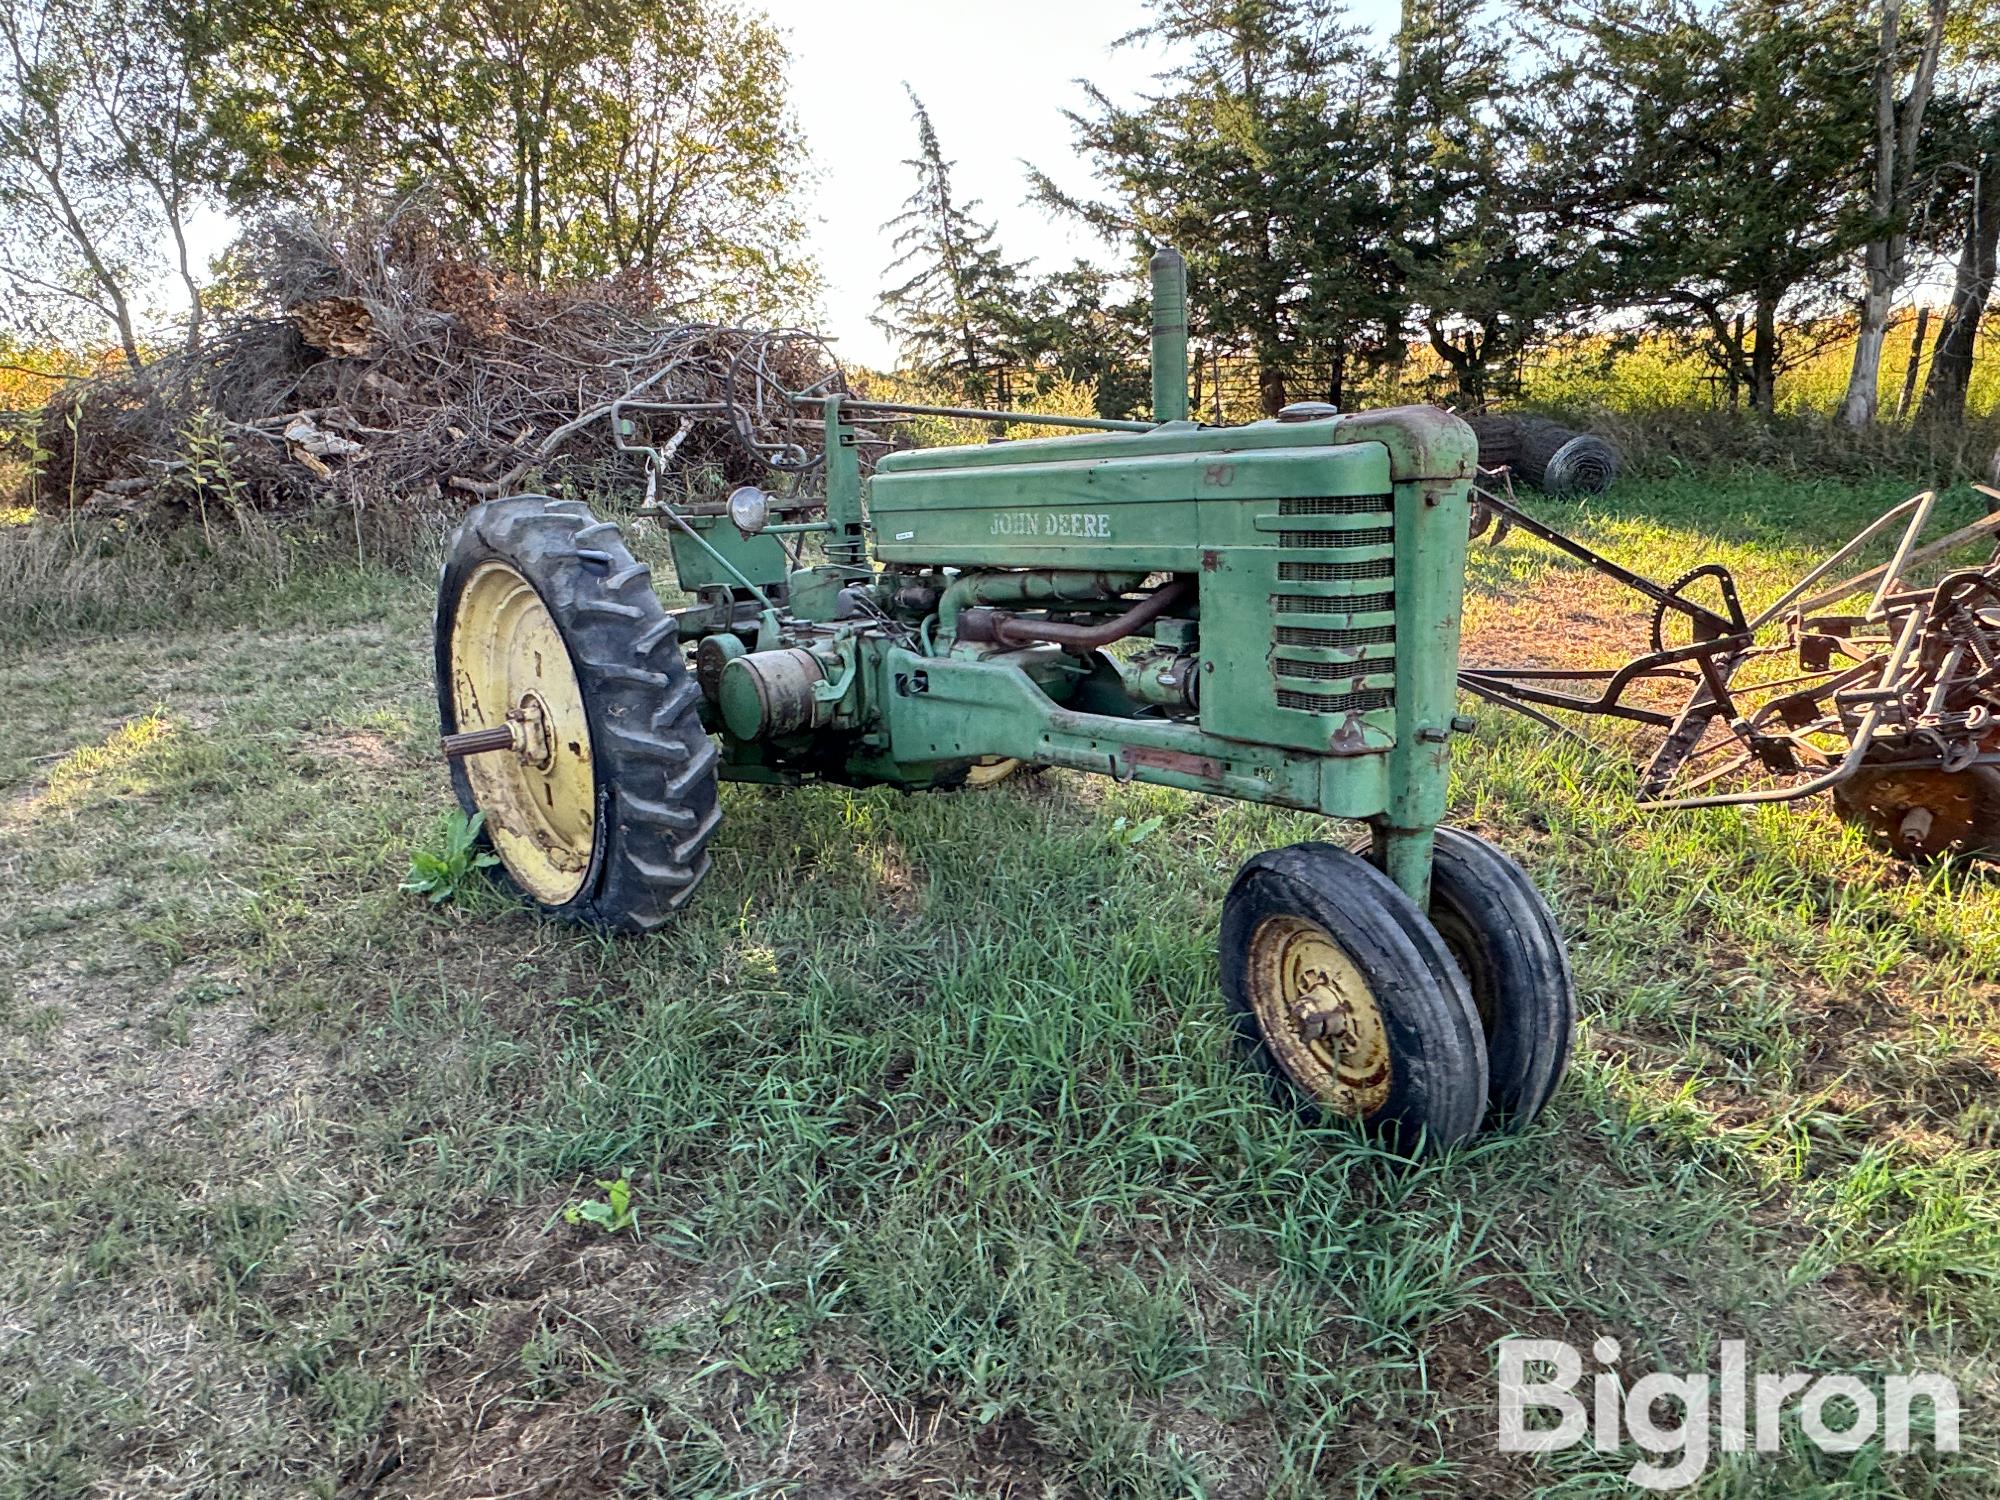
1485,263
955,313
1253,160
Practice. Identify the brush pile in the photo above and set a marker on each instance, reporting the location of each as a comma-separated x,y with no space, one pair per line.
1556,460
385,367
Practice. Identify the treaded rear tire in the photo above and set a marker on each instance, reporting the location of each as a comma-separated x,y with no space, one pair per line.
653,764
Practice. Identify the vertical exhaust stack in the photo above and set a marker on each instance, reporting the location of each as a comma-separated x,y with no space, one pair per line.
1170,336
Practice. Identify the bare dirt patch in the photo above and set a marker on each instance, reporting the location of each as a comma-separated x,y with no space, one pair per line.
1568,617
363,749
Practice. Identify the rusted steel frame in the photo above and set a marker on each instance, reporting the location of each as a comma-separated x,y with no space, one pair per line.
1508,694
1471,684
1011,630
1687,729
1507,681
1850,763
1638,582
1826,565
1905,559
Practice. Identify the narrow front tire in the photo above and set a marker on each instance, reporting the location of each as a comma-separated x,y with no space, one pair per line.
1340,992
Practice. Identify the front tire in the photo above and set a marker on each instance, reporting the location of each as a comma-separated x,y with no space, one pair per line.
1340,992
545,620
1504,940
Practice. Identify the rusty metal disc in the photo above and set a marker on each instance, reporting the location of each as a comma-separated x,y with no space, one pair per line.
1925,812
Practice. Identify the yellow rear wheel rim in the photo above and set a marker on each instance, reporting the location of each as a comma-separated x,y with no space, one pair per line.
990,771
1319,1016
509,665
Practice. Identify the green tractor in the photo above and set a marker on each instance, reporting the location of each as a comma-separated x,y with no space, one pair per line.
1268,612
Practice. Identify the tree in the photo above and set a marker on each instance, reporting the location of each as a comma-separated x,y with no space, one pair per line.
1484,260
1090,325
101,158
560,137
1710,154
957,312
1902,92
1966,204
1255,159
1972,287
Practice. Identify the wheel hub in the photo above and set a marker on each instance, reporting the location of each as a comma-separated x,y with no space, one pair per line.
537,744
523,737
1319,1015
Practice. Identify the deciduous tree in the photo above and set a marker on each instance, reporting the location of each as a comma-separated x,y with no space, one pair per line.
1712,156
102,160
560,137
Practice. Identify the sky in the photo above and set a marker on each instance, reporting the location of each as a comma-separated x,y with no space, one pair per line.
996,80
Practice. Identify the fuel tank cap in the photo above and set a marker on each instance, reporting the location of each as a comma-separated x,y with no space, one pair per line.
1307,411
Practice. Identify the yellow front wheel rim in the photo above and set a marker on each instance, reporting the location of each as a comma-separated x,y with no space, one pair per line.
1319,1016
509,666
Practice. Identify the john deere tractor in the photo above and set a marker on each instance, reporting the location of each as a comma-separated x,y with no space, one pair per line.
1268,612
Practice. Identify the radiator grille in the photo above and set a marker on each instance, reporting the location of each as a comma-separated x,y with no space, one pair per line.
1332,604
1336,703
1304,635
1323,671
1374,536
1329,572
1320,670
1336,505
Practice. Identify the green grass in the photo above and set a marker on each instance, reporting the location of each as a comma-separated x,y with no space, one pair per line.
944,1179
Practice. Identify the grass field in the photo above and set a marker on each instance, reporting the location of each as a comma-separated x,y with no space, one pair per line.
944,1180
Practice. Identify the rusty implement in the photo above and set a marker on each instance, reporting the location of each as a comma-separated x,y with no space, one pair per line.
1873,686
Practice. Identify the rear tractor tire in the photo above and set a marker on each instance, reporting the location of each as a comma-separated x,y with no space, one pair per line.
1343,993
601,798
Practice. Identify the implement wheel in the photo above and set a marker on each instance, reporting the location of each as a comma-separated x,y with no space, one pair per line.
1925,812
570,717
1340,990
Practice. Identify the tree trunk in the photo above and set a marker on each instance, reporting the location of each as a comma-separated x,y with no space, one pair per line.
1271,394
1978,262
1916,358
1857,407
1764,358
1736,366
1886,264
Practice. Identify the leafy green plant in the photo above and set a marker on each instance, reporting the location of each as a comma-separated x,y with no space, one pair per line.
443,874
612,1213
1125,832
207,472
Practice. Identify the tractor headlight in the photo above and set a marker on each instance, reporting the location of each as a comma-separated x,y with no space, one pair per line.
749,509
